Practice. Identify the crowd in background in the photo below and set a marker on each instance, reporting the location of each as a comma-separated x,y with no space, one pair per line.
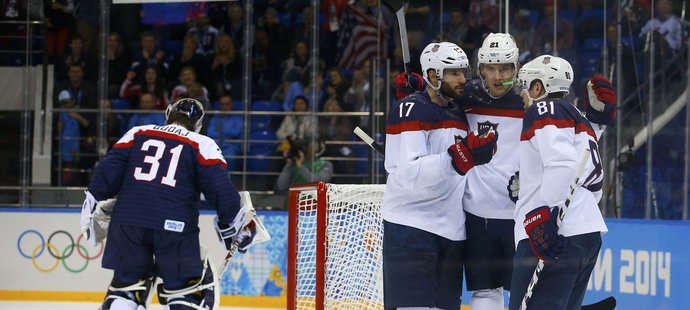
158,53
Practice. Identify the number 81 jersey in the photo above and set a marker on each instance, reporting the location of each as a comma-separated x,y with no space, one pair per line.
157,173
554,135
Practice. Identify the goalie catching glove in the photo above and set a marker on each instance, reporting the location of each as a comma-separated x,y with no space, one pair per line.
540,225
476,149
600,101
237,235
95,218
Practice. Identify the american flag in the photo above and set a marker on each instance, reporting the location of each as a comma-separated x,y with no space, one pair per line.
357,40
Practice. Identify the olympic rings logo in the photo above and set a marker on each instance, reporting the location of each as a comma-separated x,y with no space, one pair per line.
35,252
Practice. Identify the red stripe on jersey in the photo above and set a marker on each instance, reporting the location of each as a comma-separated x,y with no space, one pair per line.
495,112
202,160
123,145
541,123
395,129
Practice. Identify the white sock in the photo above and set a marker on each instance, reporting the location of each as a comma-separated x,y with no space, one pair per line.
491,299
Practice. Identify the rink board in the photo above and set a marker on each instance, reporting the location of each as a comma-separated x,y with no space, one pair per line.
644,264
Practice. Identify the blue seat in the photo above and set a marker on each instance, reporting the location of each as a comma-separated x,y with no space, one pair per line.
262,143
173,46
569,15
260,122
593,44
265,105
119,104
585,14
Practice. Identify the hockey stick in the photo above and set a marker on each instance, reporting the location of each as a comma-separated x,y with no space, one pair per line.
369,140
606,304
399,8
559,220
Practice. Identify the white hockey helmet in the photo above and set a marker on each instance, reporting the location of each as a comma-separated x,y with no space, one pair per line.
555,74
440,56
192,107
498,48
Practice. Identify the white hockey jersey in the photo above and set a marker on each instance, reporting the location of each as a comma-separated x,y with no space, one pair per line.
486,194
554,135
423,190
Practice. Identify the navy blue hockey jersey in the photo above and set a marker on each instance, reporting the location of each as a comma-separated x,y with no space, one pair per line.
157,174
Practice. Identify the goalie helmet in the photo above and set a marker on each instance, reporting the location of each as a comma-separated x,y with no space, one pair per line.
555,74
441,56
191,107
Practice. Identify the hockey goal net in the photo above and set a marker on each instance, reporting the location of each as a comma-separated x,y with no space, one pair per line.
335,246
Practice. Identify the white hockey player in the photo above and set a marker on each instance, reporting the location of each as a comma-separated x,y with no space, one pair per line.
422,211
554,135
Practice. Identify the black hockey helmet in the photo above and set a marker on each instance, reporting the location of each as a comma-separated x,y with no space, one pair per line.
191,107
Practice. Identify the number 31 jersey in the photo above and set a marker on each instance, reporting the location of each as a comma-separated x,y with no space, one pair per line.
554,136
157,173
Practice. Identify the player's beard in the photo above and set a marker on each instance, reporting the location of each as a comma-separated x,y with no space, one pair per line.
449,92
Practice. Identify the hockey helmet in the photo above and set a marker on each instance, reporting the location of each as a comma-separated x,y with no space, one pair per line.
498,48
555,74
191,107
441,56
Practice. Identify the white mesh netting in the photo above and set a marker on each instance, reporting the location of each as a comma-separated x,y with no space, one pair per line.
354,232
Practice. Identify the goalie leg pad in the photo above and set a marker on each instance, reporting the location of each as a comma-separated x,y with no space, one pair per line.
128,296
202,294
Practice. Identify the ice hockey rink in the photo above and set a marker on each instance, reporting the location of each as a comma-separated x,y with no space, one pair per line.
30,305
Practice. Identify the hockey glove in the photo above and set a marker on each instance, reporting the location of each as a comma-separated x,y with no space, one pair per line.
95,218
514,186
600,101
540,225
407,84
475,149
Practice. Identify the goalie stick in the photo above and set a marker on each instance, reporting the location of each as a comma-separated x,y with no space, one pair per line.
606,304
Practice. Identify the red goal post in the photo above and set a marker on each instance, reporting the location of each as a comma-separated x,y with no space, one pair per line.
335,243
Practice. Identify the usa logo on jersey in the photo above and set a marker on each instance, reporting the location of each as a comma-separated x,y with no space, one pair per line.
487,125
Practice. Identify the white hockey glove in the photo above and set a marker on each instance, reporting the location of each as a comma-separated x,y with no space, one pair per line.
95,218
245,230
514,186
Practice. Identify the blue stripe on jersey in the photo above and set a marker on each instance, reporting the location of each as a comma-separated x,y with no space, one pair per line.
557,112
417,112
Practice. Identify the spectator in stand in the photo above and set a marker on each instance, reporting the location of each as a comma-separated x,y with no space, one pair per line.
304,164
205,34
298,62
296,127
152,83
667,24
265,65
150,55
190,58
331,10
117,65
484,13
196,91
336,128
522,26
82,91
70,125
303,87
224,127
543,38
88,15
128,26
75,55
218,13
357,96
338,83
456,30
114,124
59,22
302,31
235,25
147,103
635,14
279,34
187,78
225,69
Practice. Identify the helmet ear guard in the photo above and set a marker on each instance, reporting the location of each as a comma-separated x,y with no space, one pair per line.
193,108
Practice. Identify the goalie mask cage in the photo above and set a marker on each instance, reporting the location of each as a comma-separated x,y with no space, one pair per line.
335,245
